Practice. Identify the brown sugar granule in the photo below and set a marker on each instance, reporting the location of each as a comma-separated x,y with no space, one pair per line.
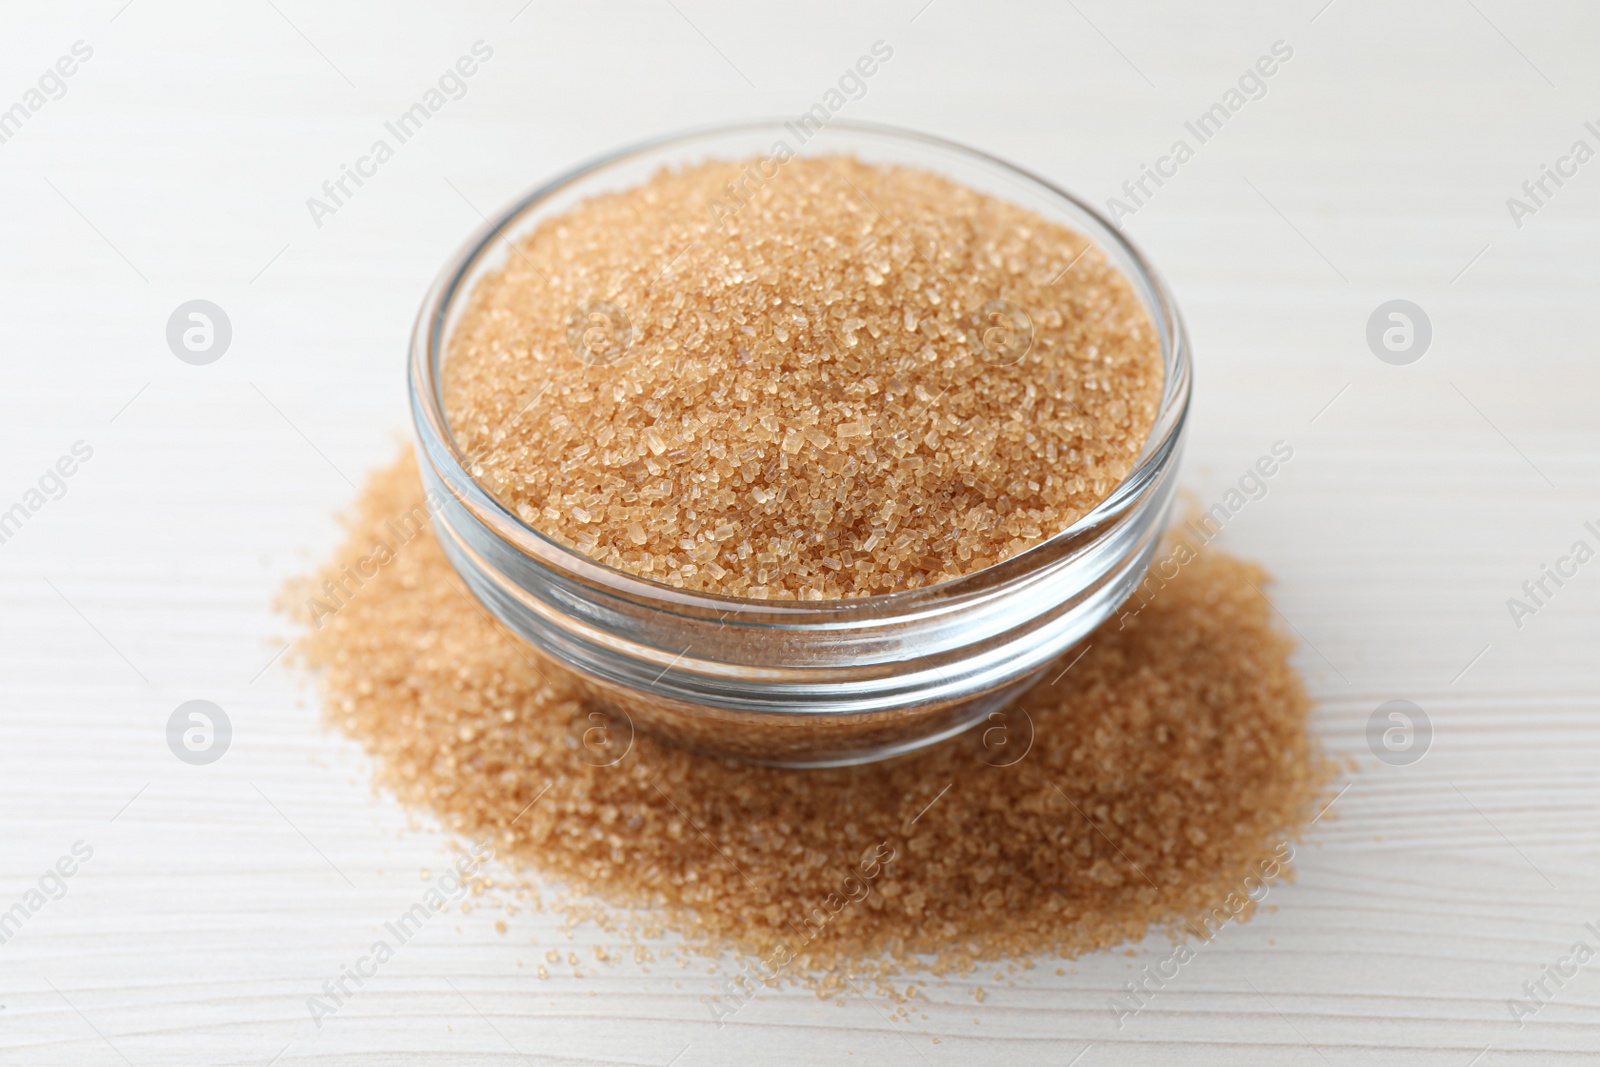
869,378
1166,769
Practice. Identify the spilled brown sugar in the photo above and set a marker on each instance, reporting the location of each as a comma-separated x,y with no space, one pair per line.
1162,773
869,378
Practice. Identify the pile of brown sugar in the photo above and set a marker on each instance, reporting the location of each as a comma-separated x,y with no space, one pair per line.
869,378
1151,785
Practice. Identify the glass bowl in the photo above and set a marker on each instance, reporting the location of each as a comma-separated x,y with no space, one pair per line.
790,682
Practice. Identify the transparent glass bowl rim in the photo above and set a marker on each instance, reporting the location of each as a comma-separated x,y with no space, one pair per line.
433,426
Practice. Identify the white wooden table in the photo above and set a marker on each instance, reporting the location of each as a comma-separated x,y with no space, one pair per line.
176,166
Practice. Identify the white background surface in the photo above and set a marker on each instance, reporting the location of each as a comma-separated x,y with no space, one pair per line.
177,166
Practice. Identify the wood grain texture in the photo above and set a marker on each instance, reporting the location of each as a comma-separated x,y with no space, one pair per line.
1377,165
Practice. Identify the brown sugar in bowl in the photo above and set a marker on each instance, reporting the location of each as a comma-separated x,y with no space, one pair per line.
811,465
